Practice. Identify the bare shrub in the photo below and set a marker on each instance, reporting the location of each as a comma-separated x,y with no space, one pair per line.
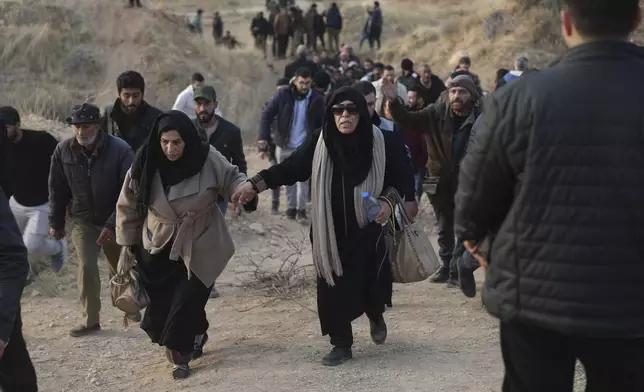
53,56
280,275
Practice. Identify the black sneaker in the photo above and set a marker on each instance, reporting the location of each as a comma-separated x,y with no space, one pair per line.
452,283
378,330
337,356
466,281
179,372
200,342
440,276
301,216
84,330
214,293
291,213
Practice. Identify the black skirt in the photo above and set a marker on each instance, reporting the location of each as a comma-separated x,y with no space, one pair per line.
365,285
176,313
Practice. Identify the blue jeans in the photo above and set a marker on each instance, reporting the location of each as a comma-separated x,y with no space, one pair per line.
223,206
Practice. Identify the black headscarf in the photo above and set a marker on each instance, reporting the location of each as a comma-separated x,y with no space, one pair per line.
4,157
150,157
352,153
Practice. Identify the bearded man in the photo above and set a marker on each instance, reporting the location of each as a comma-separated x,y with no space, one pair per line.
130,117
447,127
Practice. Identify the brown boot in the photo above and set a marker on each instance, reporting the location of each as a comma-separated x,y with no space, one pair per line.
84,330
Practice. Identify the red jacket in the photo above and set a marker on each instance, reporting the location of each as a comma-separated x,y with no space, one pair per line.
417,145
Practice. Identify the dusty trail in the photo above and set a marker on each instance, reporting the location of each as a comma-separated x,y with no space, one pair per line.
438,339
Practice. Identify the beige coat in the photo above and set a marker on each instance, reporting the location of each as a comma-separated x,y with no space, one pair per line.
188,214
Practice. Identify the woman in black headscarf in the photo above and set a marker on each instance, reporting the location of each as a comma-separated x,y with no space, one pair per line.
167,216
345,158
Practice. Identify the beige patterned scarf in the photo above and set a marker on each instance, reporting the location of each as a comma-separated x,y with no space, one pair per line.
326,257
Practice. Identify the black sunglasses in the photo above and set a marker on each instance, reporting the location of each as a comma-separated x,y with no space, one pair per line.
351,108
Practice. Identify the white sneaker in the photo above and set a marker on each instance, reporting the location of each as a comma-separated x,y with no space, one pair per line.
59,260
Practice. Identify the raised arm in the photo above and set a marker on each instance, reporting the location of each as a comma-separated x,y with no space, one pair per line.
295,168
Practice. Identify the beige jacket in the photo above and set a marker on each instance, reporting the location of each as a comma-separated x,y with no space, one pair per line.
188,214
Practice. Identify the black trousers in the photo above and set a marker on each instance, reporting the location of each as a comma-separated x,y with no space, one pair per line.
342,335
17,373
282,44
538,360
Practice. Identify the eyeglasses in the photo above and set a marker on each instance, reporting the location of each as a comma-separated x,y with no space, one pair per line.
351,108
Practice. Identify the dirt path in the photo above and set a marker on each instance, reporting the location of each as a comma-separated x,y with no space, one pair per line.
438,339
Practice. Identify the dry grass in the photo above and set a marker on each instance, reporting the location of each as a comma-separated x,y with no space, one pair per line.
54,55
440,31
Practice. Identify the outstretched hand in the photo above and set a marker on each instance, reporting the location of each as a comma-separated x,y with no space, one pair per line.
389,89
243,193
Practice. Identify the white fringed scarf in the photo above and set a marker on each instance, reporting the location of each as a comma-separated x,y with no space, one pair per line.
326,257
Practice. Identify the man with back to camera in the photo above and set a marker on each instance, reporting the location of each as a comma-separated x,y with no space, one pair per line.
17,372
555,177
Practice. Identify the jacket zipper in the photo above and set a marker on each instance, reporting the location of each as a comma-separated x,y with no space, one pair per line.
90,194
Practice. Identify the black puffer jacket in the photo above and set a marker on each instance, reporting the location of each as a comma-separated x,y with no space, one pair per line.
92,184
557,172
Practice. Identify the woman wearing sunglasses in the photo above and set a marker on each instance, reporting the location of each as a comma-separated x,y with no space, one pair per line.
345,158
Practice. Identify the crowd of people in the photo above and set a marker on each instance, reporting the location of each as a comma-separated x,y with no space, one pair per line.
537,182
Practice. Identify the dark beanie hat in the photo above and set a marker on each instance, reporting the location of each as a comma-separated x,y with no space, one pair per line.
407,65
9,115
322,80
283,82
465,82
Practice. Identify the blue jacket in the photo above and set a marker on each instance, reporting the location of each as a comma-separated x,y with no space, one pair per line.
281,107
334,18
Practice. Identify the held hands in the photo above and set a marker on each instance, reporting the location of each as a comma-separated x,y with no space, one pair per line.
243,193
57,234
384,214
389,89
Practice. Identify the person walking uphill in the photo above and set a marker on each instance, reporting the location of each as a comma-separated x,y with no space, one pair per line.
346,157
333,27
299,111
167,217
554,176
448,126
130,117
28,156
87,172
17,372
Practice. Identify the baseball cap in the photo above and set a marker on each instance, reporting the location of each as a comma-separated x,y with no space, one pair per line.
206,92
84,114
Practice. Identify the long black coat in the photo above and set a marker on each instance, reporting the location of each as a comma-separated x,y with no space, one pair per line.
366,284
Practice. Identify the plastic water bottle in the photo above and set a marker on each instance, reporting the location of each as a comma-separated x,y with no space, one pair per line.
371,205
